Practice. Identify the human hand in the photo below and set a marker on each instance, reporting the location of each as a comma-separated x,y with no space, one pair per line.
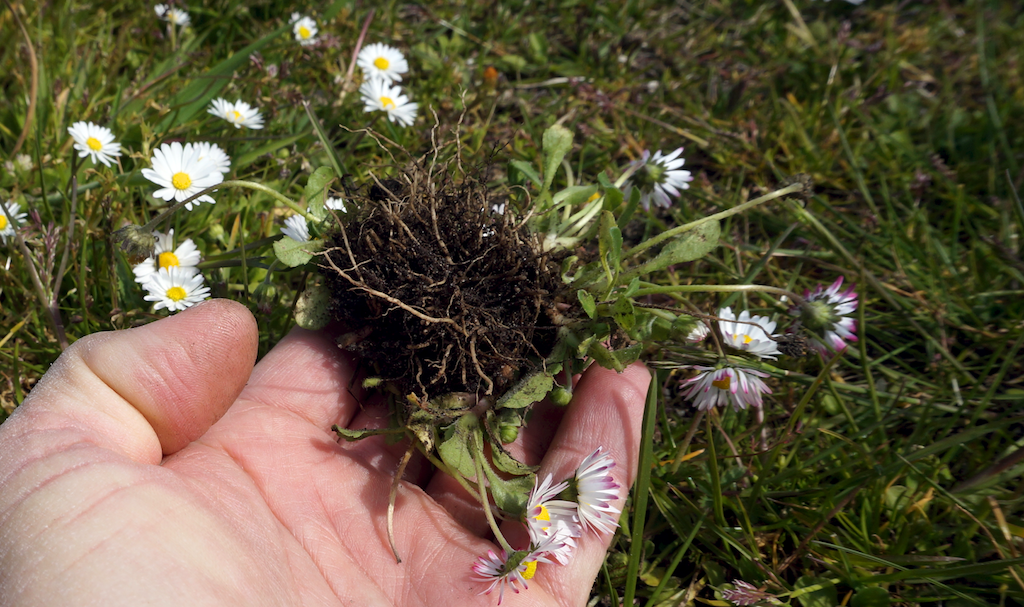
156,466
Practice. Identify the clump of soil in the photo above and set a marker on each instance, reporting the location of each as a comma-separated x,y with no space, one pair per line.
440,291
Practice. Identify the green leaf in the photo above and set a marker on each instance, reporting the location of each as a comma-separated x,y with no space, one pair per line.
316,191
557,143
604,357
456,445
353,435
612,200
510,495
530,389
630,210
339,168
574,195
817,592
311,308
249,157
634,286
872,596
567,265
946,573
506,463
294,253
628,355
622,312
610,245
527,169
686,247
587,301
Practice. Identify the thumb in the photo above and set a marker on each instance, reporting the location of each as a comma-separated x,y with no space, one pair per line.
149,391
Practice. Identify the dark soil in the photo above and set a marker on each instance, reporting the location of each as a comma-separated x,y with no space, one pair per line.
438,291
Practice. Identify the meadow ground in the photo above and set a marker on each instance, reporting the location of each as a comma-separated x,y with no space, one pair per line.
890,476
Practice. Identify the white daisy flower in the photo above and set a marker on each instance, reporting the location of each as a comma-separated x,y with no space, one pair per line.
381,95
296,228
660,178
6,225
94,141
739,387
595,491
826,315
698,333
545,514
304,29
336,204
180,173
238,113
755,338
173,15
213,153
175,289
514,570
186,257
382,61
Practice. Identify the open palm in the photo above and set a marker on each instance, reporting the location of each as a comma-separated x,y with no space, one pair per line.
157,466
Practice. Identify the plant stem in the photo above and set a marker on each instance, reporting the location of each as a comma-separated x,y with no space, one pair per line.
650,242
485,501
686,441
234,183
720,289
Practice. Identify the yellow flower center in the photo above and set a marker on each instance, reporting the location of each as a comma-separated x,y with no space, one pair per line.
181,181
304,32
3,222
594,196
387,102
237,116
94,144
531,570
722,384
747,339
544,514
168,259
176,294
381,63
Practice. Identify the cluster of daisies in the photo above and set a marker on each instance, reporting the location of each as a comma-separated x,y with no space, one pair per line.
826,316
556,515
383,67
181,171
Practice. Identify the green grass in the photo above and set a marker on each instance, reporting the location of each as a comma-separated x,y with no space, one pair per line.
902,469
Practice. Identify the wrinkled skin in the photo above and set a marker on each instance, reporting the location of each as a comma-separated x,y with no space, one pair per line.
157,466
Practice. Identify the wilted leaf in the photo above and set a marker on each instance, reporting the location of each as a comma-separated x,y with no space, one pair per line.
311,308
530,389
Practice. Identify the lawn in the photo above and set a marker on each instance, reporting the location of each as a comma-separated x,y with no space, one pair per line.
888,474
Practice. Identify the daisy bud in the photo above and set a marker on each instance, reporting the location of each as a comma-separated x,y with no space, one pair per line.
136,242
